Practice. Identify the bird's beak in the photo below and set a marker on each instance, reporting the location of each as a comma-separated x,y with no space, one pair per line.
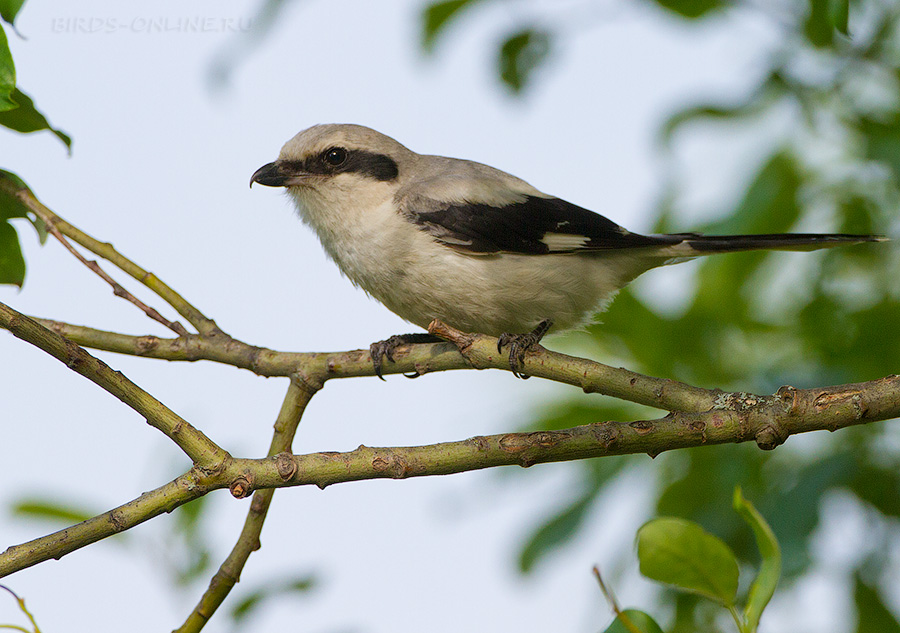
279,174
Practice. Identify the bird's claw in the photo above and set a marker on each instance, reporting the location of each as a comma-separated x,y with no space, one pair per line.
519,344
386,348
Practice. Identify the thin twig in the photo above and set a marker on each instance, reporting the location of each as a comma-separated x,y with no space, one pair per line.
610,598
23,609
204,325
118,289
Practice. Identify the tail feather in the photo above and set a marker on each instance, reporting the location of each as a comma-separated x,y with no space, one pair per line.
694,244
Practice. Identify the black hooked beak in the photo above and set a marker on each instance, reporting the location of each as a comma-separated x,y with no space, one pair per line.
279,174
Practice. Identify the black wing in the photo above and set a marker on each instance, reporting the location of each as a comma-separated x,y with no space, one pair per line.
534,226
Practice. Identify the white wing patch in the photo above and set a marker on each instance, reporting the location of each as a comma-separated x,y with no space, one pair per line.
564,241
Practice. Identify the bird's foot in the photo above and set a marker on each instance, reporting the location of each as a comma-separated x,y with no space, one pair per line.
386,348
521,343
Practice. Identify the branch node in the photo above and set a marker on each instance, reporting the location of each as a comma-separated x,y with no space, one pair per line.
285,465
606,433
852,397
462,340
643,427
396,466
259,505
769,437
309,383
242,486
480,442
117,521
146,344
789,395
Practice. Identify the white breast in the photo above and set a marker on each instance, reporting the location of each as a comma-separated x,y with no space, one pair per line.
420,279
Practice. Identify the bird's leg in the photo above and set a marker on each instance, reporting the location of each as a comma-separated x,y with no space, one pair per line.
387,347
521,343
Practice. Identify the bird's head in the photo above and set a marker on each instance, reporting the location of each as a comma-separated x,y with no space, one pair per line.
327,159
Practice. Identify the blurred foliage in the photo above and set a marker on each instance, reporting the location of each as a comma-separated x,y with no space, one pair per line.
251,602
521,54
521,51
437,16
12,264
52,510
7,74
873,615
759,320
181,550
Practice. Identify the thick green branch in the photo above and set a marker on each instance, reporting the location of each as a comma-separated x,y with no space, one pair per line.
187,487
194,443
480,352
590,376
736,417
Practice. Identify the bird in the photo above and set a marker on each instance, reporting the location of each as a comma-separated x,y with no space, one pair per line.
432,237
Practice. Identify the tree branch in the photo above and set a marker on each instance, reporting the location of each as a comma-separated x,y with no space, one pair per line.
737,417
480,352
204,325
118,289
193,484
193,442
299,393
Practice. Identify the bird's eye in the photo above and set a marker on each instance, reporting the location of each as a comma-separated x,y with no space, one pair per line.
335,156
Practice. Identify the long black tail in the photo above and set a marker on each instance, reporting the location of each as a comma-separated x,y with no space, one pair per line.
686,244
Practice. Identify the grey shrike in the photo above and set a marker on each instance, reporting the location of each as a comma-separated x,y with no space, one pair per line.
442,238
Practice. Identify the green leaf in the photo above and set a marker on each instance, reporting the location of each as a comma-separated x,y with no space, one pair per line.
691,9
840,16
252,601
824,18
10,206
756,103
520,55
638,622
872,614
690,115
40,228
7,74
878,485
48,510
770,204
763,587
26,118
883,142
188,517
12,264
681,553
436,17
555,532
9,9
